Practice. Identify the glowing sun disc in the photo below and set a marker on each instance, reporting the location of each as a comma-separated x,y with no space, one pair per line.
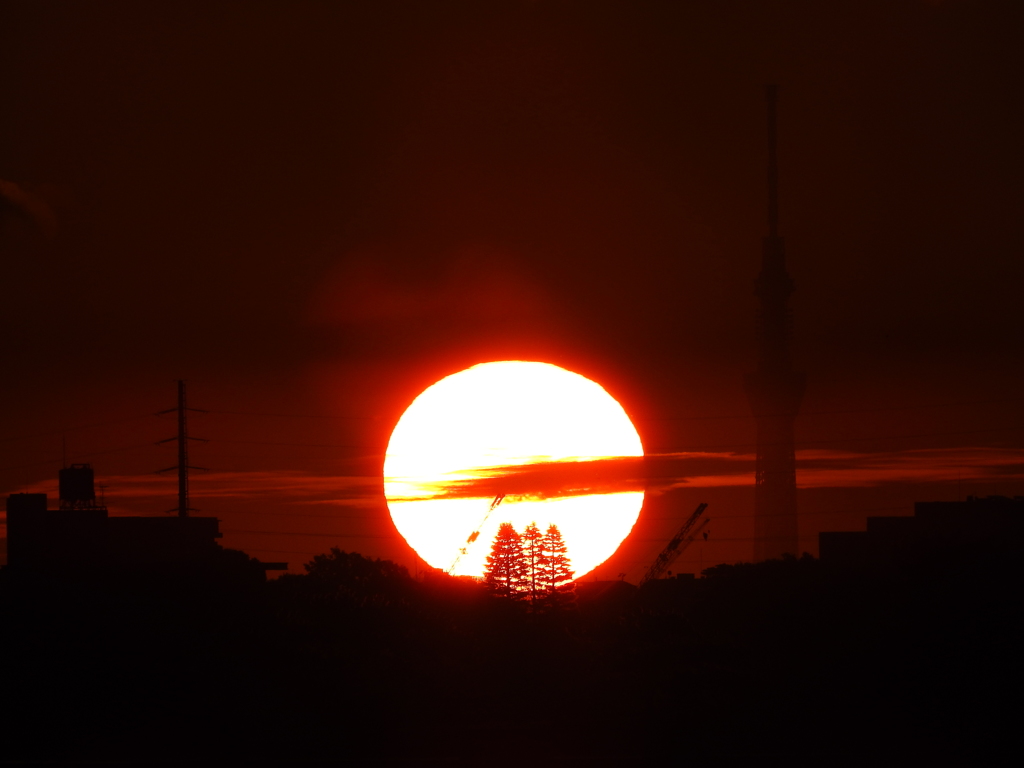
506,414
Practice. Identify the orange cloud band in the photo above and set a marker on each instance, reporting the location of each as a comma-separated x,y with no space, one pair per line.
655,473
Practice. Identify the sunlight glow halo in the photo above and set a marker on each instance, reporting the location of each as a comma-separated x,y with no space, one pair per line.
501,414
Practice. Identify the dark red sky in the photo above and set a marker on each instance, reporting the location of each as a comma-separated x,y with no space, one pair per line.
315,209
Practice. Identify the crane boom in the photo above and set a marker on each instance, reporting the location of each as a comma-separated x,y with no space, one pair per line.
675,547
475,534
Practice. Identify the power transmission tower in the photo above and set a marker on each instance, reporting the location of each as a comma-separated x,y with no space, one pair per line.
182,437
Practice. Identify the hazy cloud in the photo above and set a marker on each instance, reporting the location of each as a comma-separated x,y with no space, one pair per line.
658,473
552,479
467,285
274,487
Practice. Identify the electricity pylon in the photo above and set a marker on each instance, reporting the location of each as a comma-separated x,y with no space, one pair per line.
182,437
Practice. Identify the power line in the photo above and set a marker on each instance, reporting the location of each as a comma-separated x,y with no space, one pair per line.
819,441
297,415
81,455
688,450
319,534
112,422
300,514
730,538
77,428
886,409
277,551
653,418
301,445
316,535
676,519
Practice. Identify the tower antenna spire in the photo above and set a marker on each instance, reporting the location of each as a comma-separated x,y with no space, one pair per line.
772,93
182,439
775,389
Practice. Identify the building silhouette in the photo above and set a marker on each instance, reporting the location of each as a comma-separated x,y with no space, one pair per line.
939,531
80,536
775,388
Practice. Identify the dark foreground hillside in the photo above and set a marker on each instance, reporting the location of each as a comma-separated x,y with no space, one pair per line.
358,662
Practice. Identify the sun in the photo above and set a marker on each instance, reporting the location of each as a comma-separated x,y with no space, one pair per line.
464,438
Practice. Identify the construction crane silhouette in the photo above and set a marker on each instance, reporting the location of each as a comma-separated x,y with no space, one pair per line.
475,534
683,538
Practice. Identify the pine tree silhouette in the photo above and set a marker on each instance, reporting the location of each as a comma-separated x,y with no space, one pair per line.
532,540
555,572
506,572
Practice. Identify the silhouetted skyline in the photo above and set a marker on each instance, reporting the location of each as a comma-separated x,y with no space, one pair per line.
851,658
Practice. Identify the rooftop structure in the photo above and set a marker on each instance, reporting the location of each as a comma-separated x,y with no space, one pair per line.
80,534
938,529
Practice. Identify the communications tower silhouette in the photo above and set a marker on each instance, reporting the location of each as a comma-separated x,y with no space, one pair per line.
775,389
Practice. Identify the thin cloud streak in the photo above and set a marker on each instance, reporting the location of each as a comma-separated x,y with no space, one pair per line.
837,469
658,473
120,491
655,473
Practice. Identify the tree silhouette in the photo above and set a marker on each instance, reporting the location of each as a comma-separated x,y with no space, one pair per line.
357,580
555,573
532,540
506,571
